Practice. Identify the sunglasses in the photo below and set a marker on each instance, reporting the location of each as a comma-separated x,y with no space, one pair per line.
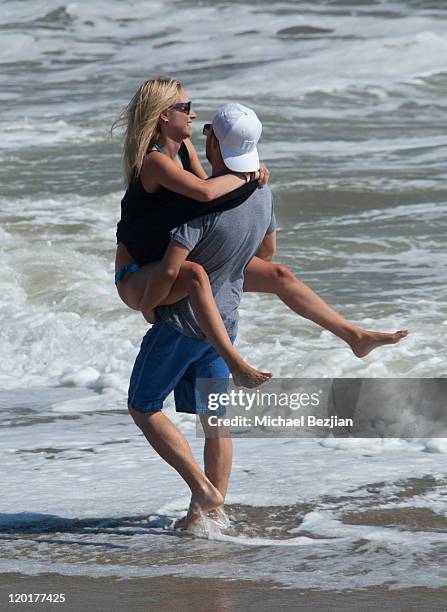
183,107
207,129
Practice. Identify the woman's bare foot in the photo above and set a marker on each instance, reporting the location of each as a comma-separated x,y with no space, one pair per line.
246,376
366,341
201,503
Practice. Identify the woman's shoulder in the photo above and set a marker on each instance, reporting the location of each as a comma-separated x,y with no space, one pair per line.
154,162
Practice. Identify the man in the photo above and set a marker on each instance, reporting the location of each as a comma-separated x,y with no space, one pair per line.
174,354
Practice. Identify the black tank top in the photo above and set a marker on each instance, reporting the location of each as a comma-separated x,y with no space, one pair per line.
148,218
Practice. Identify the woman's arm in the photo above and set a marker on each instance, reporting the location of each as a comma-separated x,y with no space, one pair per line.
161,169
198,170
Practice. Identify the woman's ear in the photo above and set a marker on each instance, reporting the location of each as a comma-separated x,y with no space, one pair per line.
163,118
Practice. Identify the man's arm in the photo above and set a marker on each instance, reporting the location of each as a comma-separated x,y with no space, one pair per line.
183,239
164,276
267,248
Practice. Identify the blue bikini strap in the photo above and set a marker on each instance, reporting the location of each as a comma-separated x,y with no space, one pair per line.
133,267
160,150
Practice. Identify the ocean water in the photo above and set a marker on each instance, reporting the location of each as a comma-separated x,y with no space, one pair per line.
352,98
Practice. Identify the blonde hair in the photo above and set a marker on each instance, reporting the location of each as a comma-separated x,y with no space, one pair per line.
141,121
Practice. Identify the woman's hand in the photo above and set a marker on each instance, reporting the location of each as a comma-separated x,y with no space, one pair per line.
264,174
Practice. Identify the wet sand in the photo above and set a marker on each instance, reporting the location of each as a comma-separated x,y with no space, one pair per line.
168,593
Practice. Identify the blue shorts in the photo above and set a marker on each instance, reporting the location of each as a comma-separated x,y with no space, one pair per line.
169,361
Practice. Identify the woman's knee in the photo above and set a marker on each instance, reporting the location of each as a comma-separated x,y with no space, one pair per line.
196,273
282,274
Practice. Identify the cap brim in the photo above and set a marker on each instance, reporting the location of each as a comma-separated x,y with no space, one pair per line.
246,162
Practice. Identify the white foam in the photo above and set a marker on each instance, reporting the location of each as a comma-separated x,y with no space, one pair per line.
375,54
131,481
376,62
38,132
53,335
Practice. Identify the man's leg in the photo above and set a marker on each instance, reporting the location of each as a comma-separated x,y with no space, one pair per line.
191,395
217,455
170,443
164,357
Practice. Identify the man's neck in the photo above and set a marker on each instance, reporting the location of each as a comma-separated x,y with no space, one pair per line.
218,168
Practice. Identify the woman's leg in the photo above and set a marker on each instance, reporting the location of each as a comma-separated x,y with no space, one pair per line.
193,281
264,277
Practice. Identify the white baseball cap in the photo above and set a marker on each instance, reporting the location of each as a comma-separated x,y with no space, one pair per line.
238,130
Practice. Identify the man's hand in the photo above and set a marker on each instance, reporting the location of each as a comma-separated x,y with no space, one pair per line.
264,174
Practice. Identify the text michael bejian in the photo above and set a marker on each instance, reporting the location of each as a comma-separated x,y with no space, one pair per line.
279,421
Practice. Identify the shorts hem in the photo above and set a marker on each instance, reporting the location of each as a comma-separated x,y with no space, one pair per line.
147,407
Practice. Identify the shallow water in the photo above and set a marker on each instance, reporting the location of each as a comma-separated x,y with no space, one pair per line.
84,495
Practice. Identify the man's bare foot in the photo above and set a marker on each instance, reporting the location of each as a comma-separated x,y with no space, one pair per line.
246,376
149,315
201,503
219,516
366,341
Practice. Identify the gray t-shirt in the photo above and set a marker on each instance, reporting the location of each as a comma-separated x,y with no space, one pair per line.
223,243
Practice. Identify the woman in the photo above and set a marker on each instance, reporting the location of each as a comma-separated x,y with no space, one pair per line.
159,159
